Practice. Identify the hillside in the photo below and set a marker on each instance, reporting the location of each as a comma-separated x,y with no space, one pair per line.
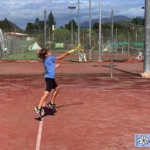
9,26
16,28
106,20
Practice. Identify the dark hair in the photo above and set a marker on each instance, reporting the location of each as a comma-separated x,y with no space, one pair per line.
41,53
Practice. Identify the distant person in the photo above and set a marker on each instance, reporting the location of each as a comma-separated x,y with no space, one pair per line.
5,52
50,71
82,55
69,47
140,56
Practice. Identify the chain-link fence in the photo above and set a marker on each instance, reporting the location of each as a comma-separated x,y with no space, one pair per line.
127,44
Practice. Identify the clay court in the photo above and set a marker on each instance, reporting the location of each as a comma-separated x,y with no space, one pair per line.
94,111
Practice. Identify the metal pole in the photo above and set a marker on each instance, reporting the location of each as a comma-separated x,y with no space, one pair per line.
100,26
116,35
112,26
79,25
72,32
128,43
147,37
89,29
116,43
49,38
71,8
78,21
83,38
45,28
53,28
136,34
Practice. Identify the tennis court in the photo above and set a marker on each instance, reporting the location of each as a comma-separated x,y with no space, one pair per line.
94,111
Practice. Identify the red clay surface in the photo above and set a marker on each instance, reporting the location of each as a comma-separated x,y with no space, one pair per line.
68,68
94,111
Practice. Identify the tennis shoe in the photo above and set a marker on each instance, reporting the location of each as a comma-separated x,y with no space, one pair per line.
38,111
52,106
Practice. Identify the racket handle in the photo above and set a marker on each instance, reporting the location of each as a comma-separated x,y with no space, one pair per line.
71,51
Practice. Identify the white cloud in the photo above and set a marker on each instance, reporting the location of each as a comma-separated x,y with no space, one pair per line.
21,12
133,12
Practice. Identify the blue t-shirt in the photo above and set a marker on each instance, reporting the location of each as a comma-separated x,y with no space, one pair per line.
49,67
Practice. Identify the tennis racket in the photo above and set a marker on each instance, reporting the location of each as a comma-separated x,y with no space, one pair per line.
73,50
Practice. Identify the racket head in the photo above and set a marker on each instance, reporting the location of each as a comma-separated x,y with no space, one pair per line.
77,48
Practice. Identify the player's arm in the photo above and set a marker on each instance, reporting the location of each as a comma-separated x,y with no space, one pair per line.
62,56
56,65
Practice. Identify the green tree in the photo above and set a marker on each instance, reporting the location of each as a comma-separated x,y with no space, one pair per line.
6,26
41,25
62,35
37,23
104,26
68,26
30,27
50,21
96,25
118,26
138,21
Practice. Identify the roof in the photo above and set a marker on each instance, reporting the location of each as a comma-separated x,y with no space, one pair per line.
15,34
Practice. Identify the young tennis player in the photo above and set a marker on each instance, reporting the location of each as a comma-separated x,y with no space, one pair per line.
50,71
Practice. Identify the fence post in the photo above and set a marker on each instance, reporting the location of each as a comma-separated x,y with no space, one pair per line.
147,41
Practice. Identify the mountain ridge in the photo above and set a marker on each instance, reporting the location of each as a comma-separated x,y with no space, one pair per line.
117,18
14,27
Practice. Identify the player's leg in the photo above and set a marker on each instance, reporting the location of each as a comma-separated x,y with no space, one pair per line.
4,54
80,57
84,56
42,100
51,104
45,95
55,92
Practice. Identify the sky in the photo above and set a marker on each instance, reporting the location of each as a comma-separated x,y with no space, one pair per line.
22,12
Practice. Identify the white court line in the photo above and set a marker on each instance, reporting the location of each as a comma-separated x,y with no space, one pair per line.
38,142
